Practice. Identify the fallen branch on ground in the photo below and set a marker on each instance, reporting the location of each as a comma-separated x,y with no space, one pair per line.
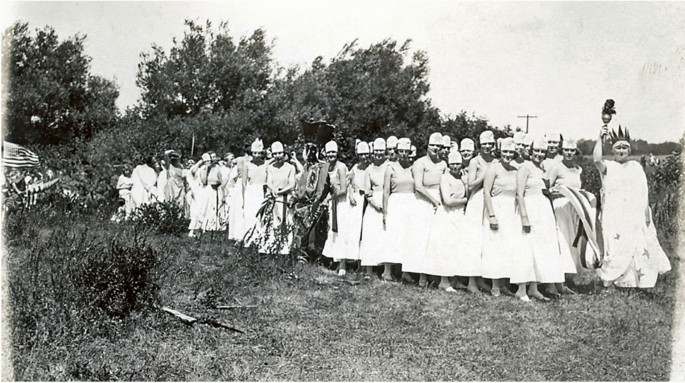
235,307
187,319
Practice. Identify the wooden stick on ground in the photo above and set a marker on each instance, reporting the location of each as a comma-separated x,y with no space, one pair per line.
187,319
230,307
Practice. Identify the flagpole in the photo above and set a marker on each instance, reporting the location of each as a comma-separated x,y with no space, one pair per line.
192,146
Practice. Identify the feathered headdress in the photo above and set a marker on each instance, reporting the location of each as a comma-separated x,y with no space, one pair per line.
318,132
621,135
608,107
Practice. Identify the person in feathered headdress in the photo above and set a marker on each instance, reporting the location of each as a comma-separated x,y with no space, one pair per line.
632,254
312,187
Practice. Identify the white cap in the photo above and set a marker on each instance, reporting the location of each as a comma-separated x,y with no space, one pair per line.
277,147
553,137
454,157
435,139
507,144
363,148
519,138
569,143
257,146
404,144
454,146
391,143
528,140
467,144
379,144
206,157
413,151
487,137
540,143
446,141
331,146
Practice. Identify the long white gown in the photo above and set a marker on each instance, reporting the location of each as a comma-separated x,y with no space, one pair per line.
144,188
632,254
373,245
339,244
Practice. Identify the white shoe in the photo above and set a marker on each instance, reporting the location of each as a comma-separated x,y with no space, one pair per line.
450,289
524,298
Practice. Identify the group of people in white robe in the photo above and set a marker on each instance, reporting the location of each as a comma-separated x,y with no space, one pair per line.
513,212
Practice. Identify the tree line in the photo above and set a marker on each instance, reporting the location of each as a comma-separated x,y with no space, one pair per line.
211,91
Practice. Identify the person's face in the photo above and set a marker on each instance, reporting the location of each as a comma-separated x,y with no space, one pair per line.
278,156
444,151
507,155
258,154
455,167
363,157
621,151
520,146
606,118
569,154
392,154
552,147
538,155
229,158
466,154
379,155
403,154
213,158
332,156
127,171
487,147
434,149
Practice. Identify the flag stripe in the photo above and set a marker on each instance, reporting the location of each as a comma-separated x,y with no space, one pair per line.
16,156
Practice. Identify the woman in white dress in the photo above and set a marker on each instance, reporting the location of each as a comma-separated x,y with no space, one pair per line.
567,174
144,180
338,244
399,207
174,189
632,254
253,181
373,246
473,239
280,181
210,182
445,256
502,227
427,172
355,195
236,225
194,195
539,259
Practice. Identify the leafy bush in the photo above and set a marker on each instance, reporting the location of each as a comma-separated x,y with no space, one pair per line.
162,217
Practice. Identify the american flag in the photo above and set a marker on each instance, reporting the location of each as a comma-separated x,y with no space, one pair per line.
15,156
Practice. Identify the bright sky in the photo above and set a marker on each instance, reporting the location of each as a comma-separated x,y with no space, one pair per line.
558,61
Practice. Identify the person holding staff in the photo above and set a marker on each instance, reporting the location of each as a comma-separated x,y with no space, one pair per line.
355,195
399,206
632,254
427,172
373,247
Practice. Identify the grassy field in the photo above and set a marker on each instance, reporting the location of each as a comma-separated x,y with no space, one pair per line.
303,322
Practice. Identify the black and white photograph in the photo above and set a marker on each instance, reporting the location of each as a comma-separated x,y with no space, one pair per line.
342,191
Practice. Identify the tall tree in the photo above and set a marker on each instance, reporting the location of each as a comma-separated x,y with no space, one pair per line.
51,97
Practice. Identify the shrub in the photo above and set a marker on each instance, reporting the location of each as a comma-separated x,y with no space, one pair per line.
162,217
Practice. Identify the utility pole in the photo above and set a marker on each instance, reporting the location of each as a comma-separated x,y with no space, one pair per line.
527,117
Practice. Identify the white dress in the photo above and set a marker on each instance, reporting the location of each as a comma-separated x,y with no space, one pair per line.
476,224
253,198
374,244
500,246
425,216
356,180
539,258
632,254
339,245
400,219
143,190
445,255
